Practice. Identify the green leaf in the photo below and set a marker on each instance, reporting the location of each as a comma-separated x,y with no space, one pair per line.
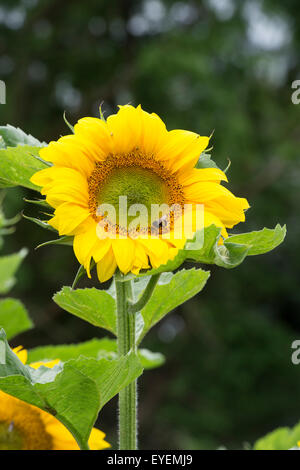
73,392
42,223
150,360
8,266
82,272
206,254
8,222
10,363
7,231
228,254
14,317
39,202
212,252
67,122
280,439
13,136
95,306
95,348
18,164
205,161
179,288
65,352
260,242
79,274
64,240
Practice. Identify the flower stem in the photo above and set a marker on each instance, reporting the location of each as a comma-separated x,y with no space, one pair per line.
140,304
126,342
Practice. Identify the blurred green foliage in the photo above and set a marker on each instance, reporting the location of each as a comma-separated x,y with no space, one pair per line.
280,439
221,65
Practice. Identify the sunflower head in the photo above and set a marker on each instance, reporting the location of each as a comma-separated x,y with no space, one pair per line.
121,188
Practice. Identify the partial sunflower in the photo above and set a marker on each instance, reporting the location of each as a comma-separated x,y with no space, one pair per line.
131,154
26,427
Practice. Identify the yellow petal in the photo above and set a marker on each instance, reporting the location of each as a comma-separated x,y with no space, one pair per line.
141,255
49,364
173,251
157,250
153,134
182,149
21,353
197,175
68,152
62,439
95,136
107,266
84,244
125,127
211,219
43,177
140,258
68,217
96,440
124,250
205,191
229,209
101,248
62,185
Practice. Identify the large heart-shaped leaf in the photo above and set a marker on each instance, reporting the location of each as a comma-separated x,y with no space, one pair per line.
96,306
280,439
259,242
167,295
96,348
18,164
13,136
14,317
8,267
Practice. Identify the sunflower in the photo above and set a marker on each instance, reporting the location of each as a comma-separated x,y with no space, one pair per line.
25,427
132,154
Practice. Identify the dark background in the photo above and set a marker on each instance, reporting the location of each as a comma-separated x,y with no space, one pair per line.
223,65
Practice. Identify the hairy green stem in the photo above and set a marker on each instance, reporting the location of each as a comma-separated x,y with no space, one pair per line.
126,342
140,304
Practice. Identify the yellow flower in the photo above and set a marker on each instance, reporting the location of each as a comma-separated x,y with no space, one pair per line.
25,427
131,154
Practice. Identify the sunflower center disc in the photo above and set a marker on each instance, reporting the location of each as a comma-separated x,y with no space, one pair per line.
139,185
